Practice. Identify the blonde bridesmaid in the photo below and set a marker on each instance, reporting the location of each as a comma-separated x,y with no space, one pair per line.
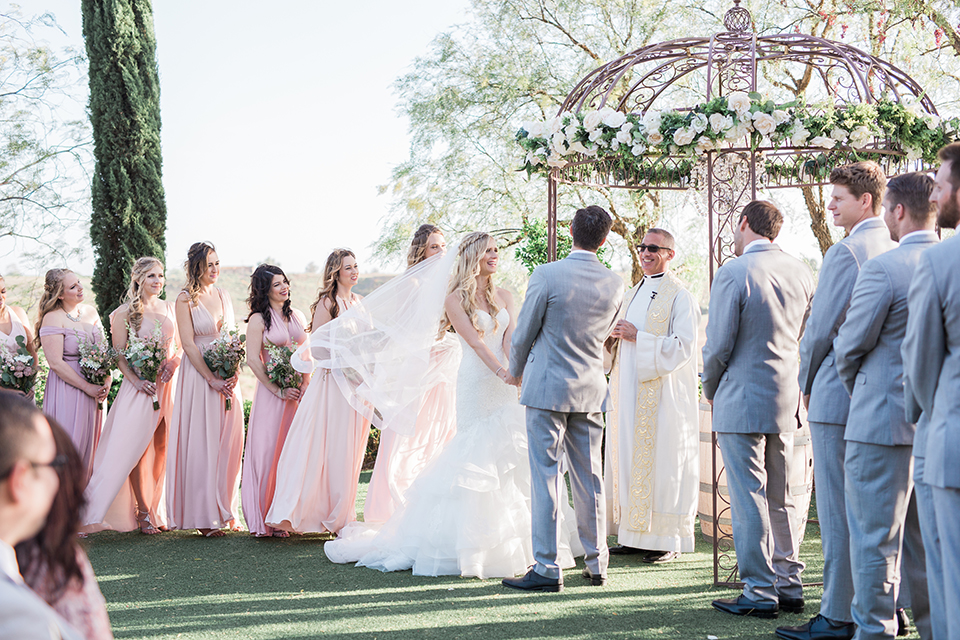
206,440
319,466
271,320
68,397
13,325
126,489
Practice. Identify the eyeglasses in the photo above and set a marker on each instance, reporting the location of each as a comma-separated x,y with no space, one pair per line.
652,248
59,462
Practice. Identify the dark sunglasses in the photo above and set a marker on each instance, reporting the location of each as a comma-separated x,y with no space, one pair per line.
59,462
652,248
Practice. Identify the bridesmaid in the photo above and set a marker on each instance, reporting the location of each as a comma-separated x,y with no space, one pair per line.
126,489
206,440
69,398
319,466
13,324
271,319
400,459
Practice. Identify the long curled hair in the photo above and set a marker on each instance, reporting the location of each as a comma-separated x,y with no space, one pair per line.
134,299
463,282
48,561
52,290
418,246
259,299
330,285
195,266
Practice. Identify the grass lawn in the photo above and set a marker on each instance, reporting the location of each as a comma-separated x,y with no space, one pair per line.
179,585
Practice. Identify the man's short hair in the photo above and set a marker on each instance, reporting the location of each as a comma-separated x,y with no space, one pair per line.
861,178
666,235
590,227
764,218
17,429
951,154
912,190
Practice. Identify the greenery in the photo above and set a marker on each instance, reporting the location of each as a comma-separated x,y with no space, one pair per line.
129,212
532,250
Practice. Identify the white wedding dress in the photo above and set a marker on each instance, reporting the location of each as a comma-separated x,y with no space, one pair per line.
468,513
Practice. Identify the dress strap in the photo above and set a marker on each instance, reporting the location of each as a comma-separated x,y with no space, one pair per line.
52,331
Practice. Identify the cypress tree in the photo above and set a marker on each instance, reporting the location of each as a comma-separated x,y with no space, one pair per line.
129,212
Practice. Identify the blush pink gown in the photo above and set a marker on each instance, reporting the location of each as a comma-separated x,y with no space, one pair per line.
206,441
9,340
133,431
319,466
77,413
270,419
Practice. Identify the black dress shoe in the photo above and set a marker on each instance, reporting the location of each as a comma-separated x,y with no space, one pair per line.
596,581
818,628
660,557
791,605
744,606
903,623
533,581
621,550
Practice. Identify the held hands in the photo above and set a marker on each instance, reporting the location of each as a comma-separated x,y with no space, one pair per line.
223,387
290,393
624,331
103,392
504,375
149,388
166,370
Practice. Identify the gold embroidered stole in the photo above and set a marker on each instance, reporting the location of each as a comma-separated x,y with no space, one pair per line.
640,509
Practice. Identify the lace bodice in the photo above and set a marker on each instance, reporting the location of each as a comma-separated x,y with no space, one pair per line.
479,391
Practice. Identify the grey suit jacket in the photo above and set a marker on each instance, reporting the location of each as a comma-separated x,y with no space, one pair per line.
25,616
867,347
931,357
570,309
829,401
758,303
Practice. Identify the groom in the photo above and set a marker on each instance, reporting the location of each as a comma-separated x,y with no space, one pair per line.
569,311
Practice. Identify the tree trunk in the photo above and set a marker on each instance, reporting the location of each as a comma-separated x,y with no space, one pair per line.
818,217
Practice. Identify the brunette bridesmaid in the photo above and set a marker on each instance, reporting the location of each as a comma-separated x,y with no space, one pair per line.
68,398
319,466
14,324
206,440
126,489
271,320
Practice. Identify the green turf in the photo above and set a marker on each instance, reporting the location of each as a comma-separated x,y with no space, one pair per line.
179,585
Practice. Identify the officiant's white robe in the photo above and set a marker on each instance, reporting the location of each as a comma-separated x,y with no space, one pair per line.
651,471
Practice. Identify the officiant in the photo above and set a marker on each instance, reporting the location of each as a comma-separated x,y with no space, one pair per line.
651,469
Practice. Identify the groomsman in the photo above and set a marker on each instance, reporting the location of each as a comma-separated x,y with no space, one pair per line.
931,375
758,303
881,511
855,205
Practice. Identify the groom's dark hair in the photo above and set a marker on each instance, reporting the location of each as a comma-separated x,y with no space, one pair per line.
590,227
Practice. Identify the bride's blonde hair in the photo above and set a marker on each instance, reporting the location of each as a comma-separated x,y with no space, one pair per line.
463,282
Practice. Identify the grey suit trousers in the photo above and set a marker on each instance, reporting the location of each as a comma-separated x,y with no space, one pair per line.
946,504
764,514
878,498
550,434
923,495
828,455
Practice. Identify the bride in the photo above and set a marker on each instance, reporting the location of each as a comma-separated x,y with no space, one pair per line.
468,513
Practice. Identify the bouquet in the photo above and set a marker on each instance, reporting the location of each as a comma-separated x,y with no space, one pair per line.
97,359
18,370
146,355
225,355
279,369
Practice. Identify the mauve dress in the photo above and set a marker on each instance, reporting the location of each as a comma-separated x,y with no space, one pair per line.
319,466
77,413
133,431
270,419
206,441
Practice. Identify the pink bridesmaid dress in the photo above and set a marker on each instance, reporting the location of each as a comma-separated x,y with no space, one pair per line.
77,413
206,441
319,466
132,432
9,340
270,419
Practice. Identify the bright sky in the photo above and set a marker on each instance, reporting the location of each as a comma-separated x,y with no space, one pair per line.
279,121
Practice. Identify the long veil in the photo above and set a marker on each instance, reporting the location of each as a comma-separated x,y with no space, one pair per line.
385,353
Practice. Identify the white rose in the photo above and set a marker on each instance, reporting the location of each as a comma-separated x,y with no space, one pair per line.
914,108
720,123
571,130
799,136
614,119
554,124
764,123
592,120
860,136
626,126
683,136
614,144
699,123
932,121
705,144
823,141
624,137
556,161
913,153
595,135
739,102
652,119
534,159
840,135
638,150
577,147
655,138
534,129
781,116
557,142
